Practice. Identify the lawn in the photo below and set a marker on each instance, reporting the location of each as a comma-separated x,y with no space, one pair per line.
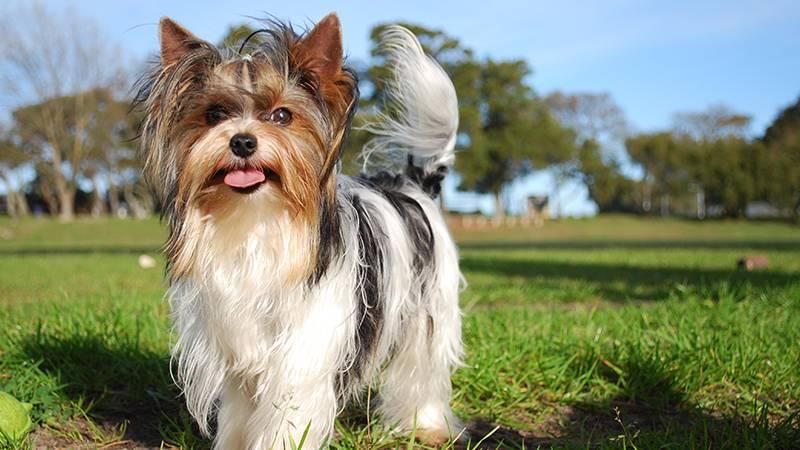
612,332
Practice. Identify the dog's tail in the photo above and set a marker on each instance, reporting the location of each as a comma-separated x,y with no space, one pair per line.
419,119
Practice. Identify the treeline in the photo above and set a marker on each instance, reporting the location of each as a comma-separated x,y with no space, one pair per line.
707,166
70,146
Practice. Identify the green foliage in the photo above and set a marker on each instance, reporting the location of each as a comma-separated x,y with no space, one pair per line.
780,169
509,130
72,125
612,191
661,157
709,155
75,137
236,35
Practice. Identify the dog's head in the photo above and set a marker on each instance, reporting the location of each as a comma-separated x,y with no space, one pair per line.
221,128
218,129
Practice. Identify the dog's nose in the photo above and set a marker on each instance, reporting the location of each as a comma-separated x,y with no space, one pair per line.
243,144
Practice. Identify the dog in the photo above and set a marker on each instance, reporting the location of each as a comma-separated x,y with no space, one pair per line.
293,287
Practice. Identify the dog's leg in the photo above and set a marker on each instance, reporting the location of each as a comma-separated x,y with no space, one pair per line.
416,390
296,394
308,409
235,411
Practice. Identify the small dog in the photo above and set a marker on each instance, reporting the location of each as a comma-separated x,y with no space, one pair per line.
294,287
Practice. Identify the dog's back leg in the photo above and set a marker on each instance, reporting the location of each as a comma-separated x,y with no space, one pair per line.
416,388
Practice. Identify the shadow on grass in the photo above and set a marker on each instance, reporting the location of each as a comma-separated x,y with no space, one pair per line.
649,411
126,383
620,282
119,383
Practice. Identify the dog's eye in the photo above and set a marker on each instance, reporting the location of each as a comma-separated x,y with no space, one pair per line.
281,116
216,114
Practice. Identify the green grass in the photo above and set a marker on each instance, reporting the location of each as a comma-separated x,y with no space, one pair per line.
613,332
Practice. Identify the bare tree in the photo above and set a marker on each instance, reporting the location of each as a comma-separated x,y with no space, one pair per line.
716,122
53,59
595,119
590,115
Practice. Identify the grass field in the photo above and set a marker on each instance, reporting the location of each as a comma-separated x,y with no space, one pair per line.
611,332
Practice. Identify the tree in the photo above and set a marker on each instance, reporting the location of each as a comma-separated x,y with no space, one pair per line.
661,157
779,179
13,158
715,122
725,170
58,77
607,186
74,136
719,159
112,159
590,115
512,132
599,126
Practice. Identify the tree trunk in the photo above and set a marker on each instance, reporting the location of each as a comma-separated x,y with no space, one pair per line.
98,203
11,204
16,203
66,205
48,196
499,209
20,203
113,197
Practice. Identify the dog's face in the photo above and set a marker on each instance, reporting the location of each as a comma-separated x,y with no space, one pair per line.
269,125
219,132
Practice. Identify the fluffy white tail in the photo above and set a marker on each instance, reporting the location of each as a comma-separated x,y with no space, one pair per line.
424,108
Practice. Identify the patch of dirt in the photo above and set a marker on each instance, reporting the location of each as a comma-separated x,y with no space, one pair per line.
572,425
80,434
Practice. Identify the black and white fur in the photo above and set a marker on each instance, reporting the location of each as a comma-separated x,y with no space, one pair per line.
272,361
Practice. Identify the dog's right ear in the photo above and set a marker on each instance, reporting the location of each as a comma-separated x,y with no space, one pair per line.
176,41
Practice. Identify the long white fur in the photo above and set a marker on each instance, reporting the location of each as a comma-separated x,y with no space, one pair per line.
425,118
265,356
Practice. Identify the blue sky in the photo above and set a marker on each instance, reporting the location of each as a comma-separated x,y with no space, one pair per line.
654,57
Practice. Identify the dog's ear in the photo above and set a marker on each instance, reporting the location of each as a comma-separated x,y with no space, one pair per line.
319,53
320,50
176,41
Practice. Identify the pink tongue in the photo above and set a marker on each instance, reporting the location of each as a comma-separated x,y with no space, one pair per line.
244,178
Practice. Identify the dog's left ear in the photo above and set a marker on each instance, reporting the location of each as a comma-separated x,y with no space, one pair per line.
176,41
320,51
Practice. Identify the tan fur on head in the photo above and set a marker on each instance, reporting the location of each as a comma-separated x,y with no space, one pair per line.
184,152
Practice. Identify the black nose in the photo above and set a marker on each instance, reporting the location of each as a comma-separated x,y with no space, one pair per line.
243,144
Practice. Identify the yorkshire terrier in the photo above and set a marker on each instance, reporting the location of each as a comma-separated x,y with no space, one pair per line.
293,287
